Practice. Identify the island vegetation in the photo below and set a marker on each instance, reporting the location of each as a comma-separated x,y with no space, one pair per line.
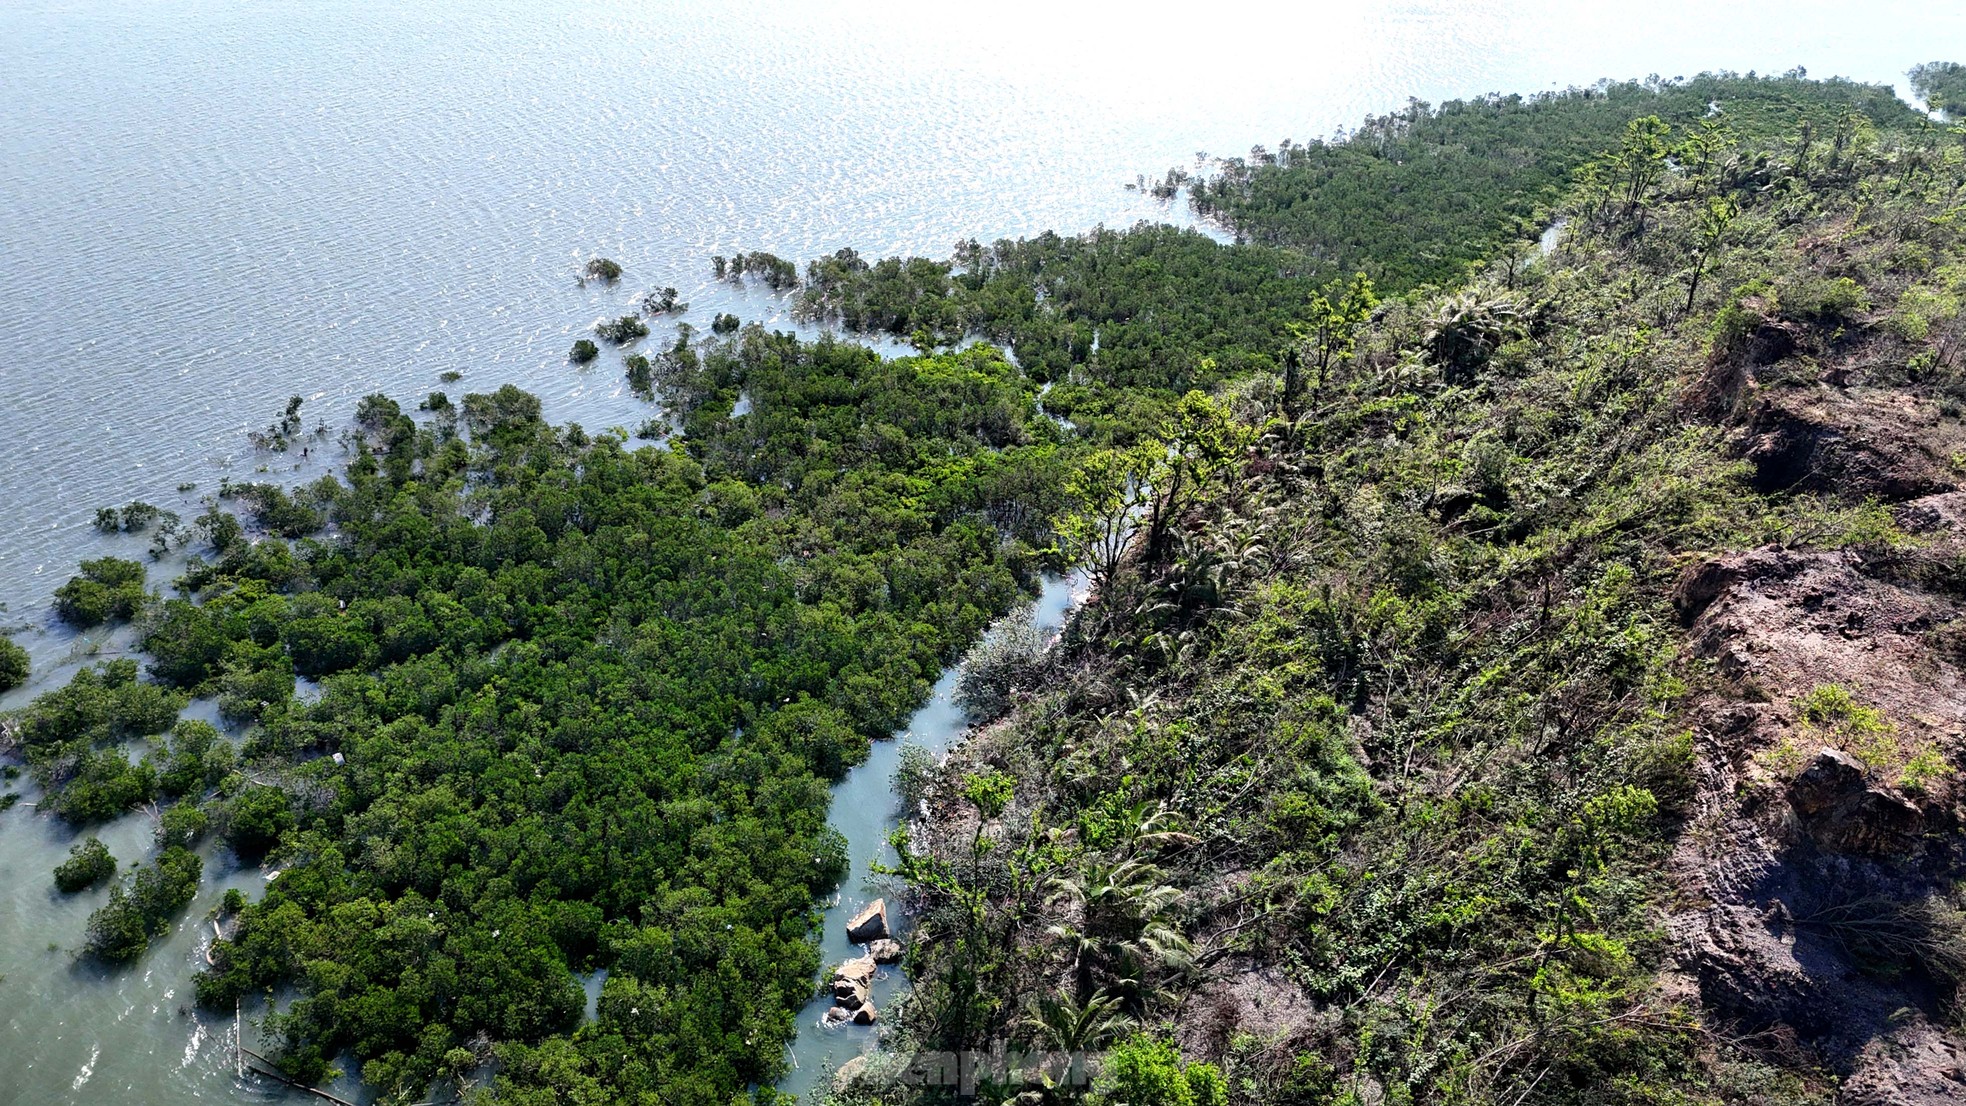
1371,769
1412,762
88,864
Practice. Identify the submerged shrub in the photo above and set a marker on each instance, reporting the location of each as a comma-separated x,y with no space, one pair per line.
583,352
602,268
641,375
143,907
108,588
662,301
625,329
14,665
88,864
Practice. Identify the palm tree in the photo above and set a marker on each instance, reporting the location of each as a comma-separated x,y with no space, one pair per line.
1065,1024
1466,330
1124,934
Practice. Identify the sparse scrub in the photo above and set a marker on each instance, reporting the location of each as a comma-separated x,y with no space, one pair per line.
623,330
997,666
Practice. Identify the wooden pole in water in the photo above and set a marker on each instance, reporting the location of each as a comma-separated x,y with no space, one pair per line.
290,1081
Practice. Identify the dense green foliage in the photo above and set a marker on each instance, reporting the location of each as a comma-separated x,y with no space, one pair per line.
1125,320
73,736
1942,84
1104,314
584,350
582,700
142,906
88,864
1413,197
108,588
14,665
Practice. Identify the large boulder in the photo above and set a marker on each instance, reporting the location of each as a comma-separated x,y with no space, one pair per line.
887,950
851,982
849,1073
1832,777
1843,811
868,925
865,1014
835,1016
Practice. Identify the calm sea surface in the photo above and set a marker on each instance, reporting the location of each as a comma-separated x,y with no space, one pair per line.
206,207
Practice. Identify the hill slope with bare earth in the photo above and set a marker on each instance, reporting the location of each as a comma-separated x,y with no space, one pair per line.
1558,698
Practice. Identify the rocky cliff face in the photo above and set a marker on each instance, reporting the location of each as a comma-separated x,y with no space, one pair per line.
1817,904
1804,909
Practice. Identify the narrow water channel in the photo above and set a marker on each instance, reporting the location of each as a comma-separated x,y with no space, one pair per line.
865,810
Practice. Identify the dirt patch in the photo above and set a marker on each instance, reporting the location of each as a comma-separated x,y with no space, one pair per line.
1857,443
1799,846
1254,999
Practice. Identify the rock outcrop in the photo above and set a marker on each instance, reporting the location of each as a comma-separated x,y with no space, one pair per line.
852,981
1857,442
851,985
870,924
886,951
849,1073
1845,812
1794,843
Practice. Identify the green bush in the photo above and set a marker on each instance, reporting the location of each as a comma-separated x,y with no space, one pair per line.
1004,660
108,588
641,375
101,703
1942,84
625,329
181,825
195,759
602,268
143,906
1148,1071
1808,297
254,819
88,864
14,665
583,352
97,785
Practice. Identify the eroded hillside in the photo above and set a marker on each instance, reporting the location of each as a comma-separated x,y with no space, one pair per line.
1547,691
